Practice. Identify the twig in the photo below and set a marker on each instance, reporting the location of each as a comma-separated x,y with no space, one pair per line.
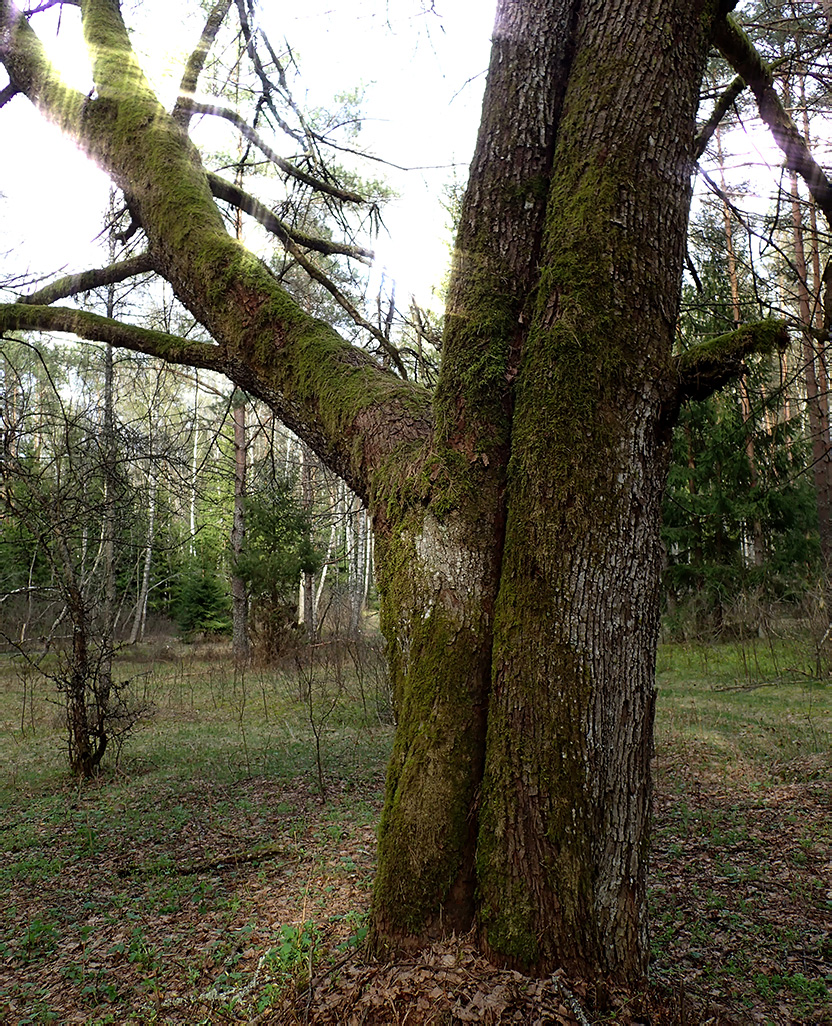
570,999
753,685
244,858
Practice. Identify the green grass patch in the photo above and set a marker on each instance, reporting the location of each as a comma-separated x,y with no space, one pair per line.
748,709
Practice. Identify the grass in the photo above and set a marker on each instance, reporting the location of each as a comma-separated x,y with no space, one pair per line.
751,709
228,853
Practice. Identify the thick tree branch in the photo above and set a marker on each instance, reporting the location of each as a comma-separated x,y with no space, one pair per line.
236,196
707,367
743,57
94,328
350,410
196,62
31,72
285,165
72,284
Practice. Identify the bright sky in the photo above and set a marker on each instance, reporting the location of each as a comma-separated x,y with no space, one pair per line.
423,74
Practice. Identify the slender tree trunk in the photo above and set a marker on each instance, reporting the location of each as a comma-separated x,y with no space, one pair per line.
194,467
814,378
357,563
308,606
239,596
139,620
819,406
757,539
103,679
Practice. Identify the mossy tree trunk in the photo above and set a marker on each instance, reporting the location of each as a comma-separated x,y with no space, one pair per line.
561,813
516,510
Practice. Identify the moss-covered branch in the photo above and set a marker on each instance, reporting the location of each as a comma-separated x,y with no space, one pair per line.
94,328
708,366
193,69
31,72
741,54
721,108
238,197
353,413
96,278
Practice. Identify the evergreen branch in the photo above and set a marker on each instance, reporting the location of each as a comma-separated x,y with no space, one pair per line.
285,165
233,194
741,54
705,368
95,328
72,284
196,62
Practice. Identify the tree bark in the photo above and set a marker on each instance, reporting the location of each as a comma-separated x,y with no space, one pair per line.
566,793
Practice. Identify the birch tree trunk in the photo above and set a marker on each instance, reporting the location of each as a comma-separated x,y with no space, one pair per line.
239,597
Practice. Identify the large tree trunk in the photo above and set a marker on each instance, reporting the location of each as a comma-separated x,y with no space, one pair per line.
546,850
439,552
516,510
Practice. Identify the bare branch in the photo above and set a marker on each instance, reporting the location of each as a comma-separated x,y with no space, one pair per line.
196,62
93,327
51,3
72,284
743,57
284,165
8,93
239,198
721,108
265,81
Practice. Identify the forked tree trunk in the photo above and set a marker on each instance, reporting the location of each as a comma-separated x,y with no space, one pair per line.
516,510
540,838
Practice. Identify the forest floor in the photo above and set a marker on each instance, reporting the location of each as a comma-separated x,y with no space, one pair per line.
207,879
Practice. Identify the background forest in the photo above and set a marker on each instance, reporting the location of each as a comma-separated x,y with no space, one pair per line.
187,594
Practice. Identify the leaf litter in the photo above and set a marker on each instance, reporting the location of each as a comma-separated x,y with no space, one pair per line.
247,903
